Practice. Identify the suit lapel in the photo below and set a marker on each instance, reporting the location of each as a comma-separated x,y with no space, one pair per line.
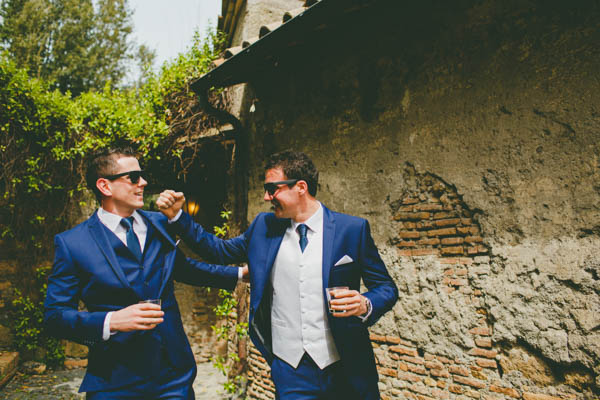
157,229
328,236
98,233
275,233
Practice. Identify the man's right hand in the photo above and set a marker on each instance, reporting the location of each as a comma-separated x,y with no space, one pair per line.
137,317
170,202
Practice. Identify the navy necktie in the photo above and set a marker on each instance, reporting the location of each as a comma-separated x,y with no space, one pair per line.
302,229
133,243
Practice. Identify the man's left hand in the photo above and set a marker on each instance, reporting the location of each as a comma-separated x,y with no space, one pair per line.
351,301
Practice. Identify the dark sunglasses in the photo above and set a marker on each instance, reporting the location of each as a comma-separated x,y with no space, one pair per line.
271,187
134,176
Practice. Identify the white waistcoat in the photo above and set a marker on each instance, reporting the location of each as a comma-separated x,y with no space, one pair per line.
299,311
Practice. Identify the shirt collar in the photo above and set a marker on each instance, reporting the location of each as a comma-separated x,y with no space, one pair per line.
113,221
314,223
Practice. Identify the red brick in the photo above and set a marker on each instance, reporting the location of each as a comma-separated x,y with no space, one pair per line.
469,381
377,338
410,200
409,225
457,369
485,363
538,396
429,357
429,207
477,250
456,389
444,215
442,232
504,390
414,360
483,342
411,216
466,221
449,272
393,339
481,330
405,252
432,364
410,235
453,250
452,240
447,222
458,282
424,252
476,351
407,243
473,394
424,225
440,394
388,372
407,208
468,230
439,373
462,271
429,242
417,369
404,350
407,376
473,239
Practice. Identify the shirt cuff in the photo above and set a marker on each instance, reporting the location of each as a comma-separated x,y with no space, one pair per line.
366,315
176,217
240,274
106,328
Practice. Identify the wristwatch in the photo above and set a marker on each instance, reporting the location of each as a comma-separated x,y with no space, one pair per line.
364,316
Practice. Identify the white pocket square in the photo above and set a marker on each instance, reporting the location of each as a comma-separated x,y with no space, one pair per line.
344,260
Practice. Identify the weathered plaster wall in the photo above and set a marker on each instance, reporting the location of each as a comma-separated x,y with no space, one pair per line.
497,104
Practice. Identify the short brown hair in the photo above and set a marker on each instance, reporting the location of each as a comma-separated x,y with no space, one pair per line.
103,163
296,165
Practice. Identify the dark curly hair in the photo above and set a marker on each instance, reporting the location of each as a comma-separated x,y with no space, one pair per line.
296,165
104,163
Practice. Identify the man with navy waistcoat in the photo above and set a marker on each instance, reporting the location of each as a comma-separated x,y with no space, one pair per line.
294,254
113,262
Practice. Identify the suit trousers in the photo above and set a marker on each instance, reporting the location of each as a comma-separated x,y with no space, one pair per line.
309,382
170,384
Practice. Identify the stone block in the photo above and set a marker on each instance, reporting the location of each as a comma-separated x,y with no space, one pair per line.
9,362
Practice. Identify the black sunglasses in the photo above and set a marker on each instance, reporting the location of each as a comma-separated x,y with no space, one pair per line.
271,187
134,176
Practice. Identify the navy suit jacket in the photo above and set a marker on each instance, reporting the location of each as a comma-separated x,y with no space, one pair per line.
342,235
87,268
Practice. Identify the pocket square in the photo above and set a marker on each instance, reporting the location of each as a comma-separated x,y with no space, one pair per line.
344,260
177,242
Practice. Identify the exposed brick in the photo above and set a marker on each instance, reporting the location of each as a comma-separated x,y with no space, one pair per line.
407,376
483,342
388,372
456,389
473,394
458,369
405,252
410,200
404,350
442,232
409,225
433,364
429,207
407,208
441,384
476,351
414,360
538,396
478,375
429,357
410,235
504,390
377,338
393,339
468,230
453,250
477,250
447,222
411,216
439,373
462,271
424,225
473,239
419,389
407,243
429,381
458,282
444,360
440,394
466,221
417,369
444,215
485,363
424,252
428,242
449,272
481,330
477,292
452,240
469,381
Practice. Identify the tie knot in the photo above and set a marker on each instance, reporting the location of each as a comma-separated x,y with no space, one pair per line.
127,223
302,229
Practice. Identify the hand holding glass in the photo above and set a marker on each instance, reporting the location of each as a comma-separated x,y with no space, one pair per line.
331,295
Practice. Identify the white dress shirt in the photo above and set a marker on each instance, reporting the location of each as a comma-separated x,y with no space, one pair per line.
113,222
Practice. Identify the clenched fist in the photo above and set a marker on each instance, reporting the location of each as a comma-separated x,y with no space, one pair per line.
169,202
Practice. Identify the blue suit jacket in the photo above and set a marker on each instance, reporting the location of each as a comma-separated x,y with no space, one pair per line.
342,235
86,268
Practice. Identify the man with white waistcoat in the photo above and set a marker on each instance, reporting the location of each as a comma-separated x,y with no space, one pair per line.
294,254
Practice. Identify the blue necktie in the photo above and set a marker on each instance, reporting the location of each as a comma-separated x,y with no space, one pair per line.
133,243
302,229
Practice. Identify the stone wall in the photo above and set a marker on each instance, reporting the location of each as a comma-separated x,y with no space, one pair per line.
468,135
